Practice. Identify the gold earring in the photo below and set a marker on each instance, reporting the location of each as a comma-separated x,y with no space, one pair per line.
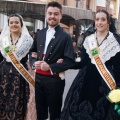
95,28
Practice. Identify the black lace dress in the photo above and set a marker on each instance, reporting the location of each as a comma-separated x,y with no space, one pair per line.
14,92
86,98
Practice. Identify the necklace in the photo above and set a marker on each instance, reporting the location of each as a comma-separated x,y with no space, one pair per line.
14,43
102,40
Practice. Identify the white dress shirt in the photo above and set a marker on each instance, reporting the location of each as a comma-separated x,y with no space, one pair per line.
49,35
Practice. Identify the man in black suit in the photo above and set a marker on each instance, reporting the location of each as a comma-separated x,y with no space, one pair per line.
51,44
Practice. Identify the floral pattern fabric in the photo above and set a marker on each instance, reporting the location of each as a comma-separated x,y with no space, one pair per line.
14,93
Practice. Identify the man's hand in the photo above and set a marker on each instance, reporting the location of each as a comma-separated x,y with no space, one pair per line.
60,60
41,65
45,66
37,64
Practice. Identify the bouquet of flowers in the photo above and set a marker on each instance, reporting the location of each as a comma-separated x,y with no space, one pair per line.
114,97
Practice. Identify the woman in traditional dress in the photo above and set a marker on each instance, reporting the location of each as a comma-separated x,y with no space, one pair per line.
14,90
100,73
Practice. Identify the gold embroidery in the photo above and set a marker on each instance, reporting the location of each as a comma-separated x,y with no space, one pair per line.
22,70
104,72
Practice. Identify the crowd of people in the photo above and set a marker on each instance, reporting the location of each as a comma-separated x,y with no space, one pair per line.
46,56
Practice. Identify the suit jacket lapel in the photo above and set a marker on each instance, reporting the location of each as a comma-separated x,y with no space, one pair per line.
53,41
42,42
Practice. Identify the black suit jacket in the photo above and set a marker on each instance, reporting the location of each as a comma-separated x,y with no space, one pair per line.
59,47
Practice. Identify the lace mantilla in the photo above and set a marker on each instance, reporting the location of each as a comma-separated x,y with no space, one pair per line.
109,48
22,47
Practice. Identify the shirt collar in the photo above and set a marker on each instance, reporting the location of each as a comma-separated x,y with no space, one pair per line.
51,28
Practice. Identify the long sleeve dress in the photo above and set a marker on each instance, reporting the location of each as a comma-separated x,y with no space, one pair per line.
86,98
14,90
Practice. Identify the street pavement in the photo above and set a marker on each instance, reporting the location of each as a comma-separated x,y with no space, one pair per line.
69,77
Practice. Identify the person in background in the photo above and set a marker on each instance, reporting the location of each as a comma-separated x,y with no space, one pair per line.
73,38
76,50
51,44
99,75
14,90
32,33
80,40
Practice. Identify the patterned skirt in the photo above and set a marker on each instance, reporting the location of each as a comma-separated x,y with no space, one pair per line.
14,93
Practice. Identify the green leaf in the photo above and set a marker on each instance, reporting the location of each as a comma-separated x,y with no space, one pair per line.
116,107
118,111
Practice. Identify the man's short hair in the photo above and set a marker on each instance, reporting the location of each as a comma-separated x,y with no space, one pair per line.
54,4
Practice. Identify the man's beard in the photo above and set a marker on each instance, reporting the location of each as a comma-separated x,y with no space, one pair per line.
52,24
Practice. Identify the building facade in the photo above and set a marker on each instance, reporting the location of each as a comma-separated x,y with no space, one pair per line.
74,12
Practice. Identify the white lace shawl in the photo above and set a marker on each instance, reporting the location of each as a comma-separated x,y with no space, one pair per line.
22,47
109,48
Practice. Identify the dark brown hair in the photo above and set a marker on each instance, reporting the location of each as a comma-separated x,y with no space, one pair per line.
107,14
110,20
54,4
16,15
